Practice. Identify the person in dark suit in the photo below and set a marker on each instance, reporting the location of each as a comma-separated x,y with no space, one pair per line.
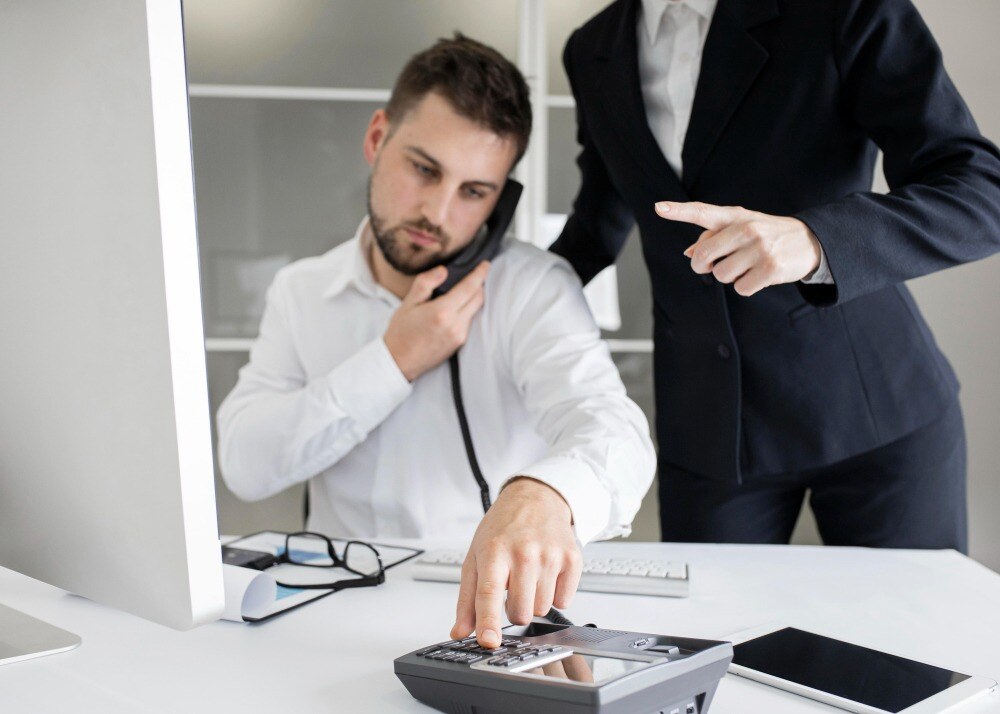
789,356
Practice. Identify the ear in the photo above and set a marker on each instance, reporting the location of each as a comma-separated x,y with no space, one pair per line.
375,135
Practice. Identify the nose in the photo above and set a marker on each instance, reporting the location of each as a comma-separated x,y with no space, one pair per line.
437,203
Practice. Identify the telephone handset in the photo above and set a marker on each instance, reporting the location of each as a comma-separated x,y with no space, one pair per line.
487,242
484,246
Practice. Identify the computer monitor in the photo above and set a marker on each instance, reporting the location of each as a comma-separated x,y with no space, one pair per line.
106,477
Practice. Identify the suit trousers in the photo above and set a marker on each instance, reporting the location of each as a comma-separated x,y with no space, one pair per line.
910,493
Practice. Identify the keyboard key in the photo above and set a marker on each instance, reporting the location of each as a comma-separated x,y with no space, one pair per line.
636,576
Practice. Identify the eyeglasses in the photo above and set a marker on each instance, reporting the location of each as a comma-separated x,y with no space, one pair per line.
315,550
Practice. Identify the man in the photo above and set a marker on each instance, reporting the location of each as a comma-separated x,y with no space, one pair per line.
788,354
346,389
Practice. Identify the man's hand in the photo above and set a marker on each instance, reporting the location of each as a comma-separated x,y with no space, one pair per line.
423,333
752,250
524,547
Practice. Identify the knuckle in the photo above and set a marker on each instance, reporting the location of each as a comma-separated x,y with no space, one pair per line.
573,558
525,556
439,319
519,616
488,622
553,555
488,587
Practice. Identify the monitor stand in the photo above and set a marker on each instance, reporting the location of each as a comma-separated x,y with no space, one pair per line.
24,637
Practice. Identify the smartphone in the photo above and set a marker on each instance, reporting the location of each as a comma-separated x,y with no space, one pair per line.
487,242
256,559
848,676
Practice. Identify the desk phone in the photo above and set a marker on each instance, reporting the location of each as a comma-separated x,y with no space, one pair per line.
562,669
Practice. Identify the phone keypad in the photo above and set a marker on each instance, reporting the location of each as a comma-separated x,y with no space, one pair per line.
469,651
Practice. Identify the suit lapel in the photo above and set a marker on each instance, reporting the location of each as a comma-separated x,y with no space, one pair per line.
730,63
621,100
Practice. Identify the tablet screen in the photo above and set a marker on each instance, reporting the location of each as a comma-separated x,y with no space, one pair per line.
857,673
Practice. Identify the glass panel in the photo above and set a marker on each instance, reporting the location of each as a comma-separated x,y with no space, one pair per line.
563,176
561,19
275,181
637,374
330,43
282,512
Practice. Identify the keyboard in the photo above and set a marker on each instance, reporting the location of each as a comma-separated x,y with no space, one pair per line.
631,576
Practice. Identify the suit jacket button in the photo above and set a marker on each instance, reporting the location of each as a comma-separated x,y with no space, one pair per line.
708,279
724,351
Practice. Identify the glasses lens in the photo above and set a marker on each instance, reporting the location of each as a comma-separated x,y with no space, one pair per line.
362,558
308,550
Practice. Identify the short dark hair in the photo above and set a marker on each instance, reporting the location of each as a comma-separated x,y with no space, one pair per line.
479,83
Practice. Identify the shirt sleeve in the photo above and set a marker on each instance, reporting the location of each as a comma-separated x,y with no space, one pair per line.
822,275
278,428
600,457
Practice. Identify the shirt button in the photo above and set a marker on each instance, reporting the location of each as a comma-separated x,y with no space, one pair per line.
724,351
686,57
708,279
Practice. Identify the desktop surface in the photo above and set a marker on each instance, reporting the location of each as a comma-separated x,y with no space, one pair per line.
336,655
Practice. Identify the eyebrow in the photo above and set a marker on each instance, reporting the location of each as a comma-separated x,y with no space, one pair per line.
437,165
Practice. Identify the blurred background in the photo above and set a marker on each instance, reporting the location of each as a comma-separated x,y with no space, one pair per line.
281,93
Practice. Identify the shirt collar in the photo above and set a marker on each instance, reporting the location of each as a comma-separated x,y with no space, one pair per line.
357,271
652,12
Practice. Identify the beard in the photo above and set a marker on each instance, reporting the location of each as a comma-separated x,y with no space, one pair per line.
399,252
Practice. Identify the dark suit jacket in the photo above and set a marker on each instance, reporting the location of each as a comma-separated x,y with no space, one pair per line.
793,100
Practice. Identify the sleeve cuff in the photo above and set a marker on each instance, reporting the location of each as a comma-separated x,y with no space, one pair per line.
369,385
822,275
588,500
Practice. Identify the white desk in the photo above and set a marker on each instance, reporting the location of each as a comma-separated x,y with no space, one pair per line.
336,655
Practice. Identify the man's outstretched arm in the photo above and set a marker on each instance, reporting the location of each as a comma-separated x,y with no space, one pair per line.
589,484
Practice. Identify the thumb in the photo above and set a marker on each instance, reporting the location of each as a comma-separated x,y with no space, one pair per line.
424,284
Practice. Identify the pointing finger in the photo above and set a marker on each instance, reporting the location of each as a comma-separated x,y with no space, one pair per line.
491,585
465,611
706,215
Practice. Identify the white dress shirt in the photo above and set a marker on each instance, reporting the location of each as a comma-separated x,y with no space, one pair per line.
671,37
323,399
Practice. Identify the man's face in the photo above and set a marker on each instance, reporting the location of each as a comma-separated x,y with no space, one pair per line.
436,176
